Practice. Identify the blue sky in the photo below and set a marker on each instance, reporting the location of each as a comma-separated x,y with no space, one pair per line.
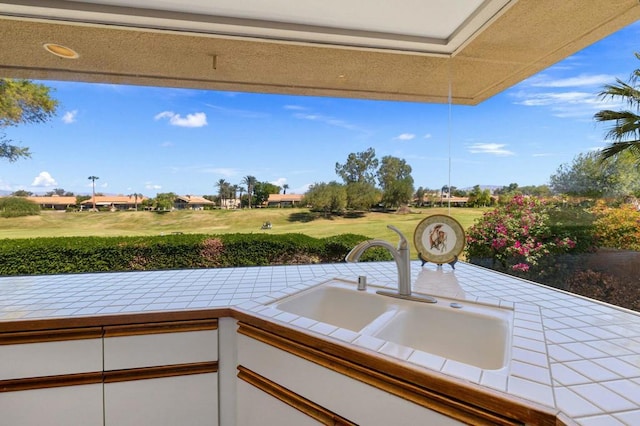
149,140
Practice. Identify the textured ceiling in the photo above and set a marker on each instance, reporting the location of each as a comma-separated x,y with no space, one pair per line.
523,38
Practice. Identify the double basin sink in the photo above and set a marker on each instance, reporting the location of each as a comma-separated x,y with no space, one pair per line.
463,331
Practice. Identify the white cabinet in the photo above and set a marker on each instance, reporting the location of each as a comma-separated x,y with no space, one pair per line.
260,408
59,406
50,358
147,350
349,399
161,374
51,377
188,400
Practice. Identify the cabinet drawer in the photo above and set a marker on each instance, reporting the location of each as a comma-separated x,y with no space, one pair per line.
157,346
44,353
60,406
181,400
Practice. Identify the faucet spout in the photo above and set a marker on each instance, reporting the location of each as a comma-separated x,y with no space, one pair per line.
400,256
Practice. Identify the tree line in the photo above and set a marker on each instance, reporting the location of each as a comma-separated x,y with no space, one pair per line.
367,182
254,193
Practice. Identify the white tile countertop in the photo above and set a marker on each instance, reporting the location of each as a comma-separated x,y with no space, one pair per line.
571,353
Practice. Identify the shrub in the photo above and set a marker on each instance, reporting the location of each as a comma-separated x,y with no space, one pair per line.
617,227
102,254
18,206
575,223
515,237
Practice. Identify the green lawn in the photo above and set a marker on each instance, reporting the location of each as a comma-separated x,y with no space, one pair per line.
62,224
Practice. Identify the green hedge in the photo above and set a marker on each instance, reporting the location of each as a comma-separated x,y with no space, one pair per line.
102,254
17,207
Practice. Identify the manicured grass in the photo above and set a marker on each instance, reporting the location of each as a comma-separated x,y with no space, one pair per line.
286,220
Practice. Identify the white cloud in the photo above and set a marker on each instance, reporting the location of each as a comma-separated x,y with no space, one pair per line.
150,185
574,104
490,148
279,182
166,144
45,180
581,80
332,121
427,136
405,137
198,119
295,107
70,116
550,98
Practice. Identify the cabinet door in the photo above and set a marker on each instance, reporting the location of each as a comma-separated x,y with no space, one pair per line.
258,408
50,353
58,406
148,345
348,398
190,400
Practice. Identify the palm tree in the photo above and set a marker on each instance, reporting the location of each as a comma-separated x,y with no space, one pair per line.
135,196
241,191
284,188
223,190
93,182
233,189
625,131
250,181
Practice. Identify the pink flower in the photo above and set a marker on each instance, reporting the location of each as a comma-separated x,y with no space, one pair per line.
520,267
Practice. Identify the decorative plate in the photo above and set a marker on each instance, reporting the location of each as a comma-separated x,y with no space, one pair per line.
439,239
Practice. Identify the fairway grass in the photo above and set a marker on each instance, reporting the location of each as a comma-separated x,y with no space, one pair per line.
284,220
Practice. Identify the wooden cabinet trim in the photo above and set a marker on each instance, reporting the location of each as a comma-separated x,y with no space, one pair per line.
458,409
160,371
43,324
159,328
292,399
31,383
58,335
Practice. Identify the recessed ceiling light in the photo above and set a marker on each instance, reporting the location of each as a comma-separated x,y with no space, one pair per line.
61,51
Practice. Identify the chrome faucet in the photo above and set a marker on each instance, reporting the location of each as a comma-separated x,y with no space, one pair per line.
402,258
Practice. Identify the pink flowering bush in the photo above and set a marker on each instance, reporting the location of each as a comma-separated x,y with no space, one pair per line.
515,237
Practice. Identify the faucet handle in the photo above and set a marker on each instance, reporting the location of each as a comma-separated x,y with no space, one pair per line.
403,243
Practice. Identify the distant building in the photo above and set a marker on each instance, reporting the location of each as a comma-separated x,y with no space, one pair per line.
191,202
113,202
436,198
53,202
283,200
230,203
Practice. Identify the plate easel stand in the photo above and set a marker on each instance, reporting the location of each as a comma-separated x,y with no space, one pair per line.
452,263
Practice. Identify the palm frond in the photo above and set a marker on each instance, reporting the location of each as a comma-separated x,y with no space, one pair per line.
617,148
626,124
623,91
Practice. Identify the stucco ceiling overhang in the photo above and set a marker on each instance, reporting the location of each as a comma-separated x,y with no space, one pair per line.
409,50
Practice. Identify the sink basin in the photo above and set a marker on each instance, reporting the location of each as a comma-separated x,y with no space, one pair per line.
337,304
473,335
470,333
